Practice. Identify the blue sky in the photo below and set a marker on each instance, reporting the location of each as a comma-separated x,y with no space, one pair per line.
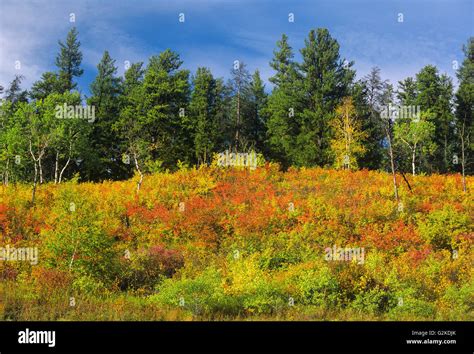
217,32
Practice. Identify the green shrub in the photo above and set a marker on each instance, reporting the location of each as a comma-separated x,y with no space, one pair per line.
459,303
374,301
442,226
265,298
413,309
316,287
202,295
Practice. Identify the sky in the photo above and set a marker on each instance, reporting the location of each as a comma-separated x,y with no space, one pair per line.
215,33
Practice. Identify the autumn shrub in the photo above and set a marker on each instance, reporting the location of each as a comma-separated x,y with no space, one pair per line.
146,268
256,291
315,286
202,295
458,303
441,227
376,301
224,243
77,242
413,308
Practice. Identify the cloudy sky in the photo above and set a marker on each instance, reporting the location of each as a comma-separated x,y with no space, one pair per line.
217,32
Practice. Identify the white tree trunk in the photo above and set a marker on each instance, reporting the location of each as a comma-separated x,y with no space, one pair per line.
40,170
139,171
64,169
56,167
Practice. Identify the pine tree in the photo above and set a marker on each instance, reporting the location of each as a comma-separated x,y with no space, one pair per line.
131,124
282,63
104,161
464,110
164,105
258,99
327,81
48,84
367,97
69,61
435,94
284,106
14,92
203,109
407,92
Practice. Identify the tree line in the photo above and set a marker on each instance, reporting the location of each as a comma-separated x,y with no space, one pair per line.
160,116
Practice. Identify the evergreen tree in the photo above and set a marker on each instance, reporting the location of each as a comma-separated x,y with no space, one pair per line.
282,63
14,92
327,81
203,109
131,125
239,85
367,96
48,84
104,161
69,61
464,112
284,105
407,92
258,99
164,104
435,94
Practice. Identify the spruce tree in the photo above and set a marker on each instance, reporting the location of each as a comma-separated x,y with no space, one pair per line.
464,112
164,105
104,161
258,99
202,107
284,105
69,61
327,80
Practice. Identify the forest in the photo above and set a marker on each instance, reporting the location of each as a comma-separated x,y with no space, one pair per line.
160,116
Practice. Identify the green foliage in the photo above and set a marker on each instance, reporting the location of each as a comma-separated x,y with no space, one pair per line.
80,244
464,109
202,295
413,308
375,301
434,96
69,60
302,104
203,108
442,227
317,287
48,84
213,242
163,106
417,136
105,148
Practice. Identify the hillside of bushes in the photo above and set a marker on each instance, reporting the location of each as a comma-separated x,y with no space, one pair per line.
236,244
